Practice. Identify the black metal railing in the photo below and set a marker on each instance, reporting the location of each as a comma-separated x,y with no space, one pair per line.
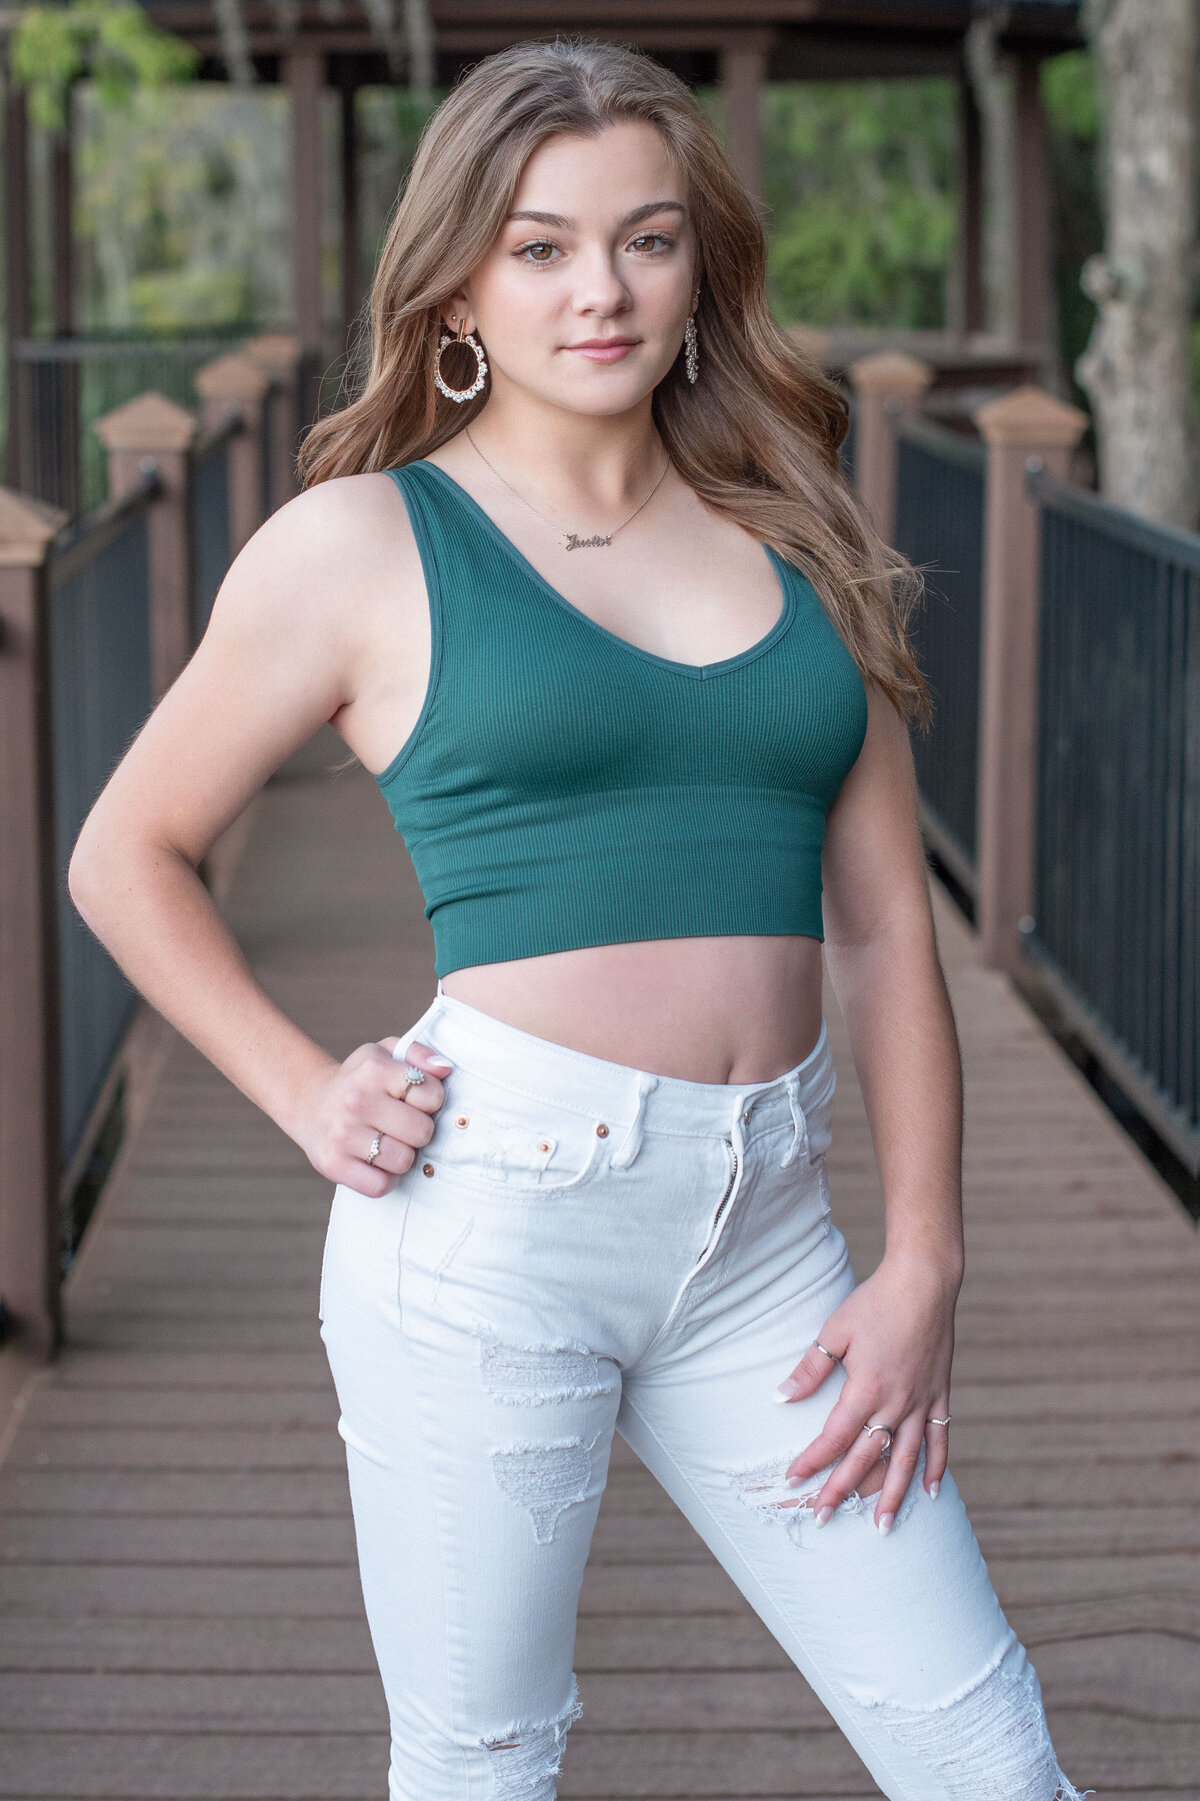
65,384
100,680
940,487
1116,927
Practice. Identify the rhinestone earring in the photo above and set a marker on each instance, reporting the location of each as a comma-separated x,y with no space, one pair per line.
691,350
481,368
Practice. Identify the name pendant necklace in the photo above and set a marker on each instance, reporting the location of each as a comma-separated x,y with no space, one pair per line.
572,540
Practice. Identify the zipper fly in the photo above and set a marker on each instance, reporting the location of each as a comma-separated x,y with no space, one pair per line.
712,1231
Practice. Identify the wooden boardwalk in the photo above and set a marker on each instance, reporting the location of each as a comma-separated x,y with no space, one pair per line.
180,1615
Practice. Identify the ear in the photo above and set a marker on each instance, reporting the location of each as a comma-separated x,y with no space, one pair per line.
453,311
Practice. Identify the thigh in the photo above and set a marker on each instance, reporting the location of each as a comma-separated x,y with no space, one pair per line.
474,1480
902,1637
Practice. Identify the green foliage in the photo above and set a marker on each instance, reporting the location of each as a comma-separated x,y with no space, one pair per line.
1073,117
112,41
1068,84
860,181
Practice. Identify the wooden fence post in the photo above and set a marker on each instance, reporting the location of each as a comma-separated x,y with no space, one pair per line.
237,384
1026,422
155,429
885,383
278,355
30,1096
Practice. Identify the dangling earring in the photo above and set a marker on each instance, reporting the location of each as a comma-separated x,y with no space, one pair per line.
481,368
691,349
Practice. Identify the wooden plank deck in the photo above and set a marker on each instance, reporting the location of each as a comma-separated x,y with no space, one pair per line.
180,1616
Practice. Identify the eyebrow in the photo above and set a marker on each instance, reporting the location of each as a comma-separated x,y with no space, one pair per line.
639,212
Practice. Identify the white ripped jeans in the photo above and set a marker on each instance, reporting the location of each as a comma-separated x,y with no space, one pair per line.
585,1247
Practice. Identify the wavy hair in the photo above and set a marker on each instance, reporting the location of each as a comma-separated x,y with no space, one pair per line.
757,437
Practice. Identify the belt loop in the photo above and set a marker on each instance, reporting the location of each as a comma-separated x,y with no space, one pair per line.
799,1124
631,1144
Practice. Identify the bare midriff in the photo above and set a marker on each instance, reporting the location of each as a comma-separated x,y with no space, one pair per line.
734,1010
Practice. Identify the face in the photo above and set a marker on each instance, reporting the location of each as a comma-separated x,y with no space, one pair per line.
582,299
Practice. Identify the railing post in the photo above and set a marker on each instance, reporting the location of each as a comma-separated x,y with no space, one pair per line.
1027,422
278,355
237,384
885,384
152,428
30,1094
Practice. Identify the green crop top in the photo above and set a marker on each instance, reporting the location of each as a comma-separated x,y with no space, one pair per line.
563,787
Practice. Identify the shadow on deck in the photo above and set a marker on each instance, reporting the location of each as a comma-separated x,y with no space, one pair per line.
180,1614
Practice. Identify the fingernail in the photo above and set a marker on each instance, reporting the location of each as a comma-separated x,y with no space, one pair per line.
823,1514
933,1490
885,1523
788,1389
439,1063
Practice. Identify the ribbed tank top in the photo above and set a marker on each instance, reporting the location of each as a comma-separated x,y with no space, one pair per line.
562,787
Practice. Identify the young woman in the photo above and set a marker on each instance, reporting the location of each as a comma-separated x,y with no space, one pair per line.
589,596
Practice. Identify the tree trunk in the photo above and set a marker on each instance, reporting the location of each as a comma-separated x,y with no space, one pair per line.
1137,366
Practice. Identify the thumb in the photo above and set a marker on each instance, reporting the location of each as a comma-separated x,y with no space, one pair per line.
419,1055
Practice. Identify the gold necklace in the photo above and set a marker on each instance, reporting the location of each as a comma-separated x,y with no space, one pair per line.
572,540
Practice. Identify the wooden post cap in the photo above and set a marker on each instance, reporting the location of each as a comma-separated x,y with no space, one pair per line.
149,422
276,351
891,372
1028,415
232,377
26,528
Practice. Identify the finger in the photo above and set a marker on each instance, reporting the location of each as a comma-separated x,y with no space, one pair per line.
906,1449
427,1096
937,1447
812,1369
853,1473
842,1426
394,1155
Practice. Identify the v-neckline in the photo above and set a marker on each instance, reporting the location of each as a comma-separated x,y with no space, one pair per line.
697,671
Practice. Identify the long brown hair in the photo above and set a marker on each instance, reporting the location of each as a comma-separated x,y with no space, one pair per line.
758,435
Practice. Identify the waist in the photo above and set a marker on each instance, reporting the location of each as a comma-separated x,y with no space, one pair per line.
714,1010
505,1057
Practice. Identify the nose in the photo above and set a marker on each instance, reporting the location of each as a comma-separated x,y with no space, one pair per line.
598,288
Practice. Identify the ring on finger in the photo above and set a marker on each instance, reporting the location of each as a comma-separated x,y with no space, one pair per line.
932,1422
412,1077
376,1142
879,1427
832,1355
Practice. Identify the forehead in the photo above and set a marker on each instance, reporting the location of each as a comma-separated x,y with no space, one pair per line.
590,178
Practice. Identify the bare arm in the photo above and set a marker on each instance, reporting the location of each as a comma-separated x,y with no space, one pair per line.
895,1334
281,654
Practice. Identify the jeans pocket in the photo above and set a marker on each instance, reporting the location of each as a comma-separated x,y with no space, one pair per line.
508,1143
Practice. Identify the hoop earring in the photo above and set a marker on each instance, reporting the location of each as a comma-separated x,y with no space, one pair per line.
691,349
481,368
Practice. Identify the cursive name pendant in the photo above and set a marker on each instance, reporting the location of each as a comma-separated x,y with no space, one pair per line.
572,541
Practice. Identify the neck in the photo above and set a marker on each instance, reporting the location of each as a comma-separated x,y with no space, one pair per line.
575,462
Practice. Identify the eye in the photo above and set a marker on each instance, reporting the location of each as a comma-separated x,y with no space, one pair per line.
651,237
538,244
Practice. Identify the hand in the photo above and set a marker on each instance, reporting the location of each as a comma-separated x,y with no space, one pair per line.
894,1336
366,1094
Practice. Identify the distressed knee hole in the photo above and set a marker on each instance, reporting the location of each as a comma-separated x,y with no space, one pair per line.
765,1490
531,1375
528,1755
544,1478
988,1742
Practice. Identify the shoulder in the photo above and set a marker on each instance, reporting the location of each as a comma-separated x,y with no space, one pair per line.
326,559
